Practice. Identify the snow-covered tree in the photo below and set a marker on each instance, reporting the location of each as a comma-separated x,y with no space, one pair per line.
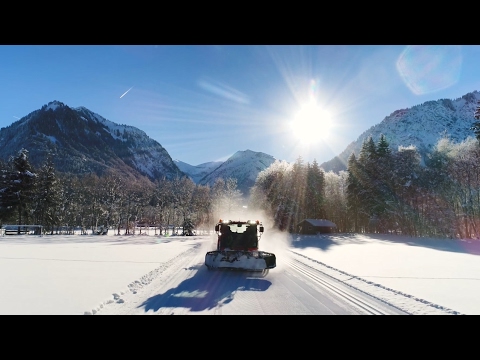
273,193
22,185
226,198
162,197
476,124
188,227
315,192
407,181
354,189
297,183
111,185
201,206
336,199
184,195
385,197
48,195
8,199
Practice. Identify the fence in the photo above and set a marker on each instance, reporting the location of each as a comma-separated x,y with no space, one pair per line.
21,230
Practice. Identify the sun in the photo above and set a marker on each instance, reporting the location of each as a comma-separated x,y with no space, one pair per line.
312,123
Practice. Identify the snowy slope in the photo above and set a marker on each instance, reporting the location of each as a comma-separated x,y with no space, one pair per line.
243,166
196,173
85,142
156,275
421,125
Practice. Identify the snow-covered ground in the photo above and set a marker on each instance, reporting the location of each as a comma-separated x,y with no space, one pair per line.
84,274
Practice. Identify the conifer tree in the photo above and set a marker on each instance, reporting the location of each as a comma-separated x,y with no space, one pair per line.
47,197
8,198
23,184
298,185
315,191
476,124
384,186
353,191
383,147
366,173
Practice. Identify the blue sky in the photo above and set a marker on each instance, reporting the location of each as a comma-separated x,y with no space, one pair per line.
205,102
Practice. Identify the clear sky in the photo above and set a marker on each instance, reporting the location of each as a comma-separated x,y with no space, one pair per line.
205,102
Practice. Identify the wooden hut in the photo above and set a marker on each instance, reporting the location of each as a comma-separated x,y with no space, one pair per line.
316,226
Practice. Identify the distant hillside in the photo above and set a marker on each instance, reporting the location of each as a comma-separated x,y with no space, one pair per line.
196,173
82,141
243,166
421,125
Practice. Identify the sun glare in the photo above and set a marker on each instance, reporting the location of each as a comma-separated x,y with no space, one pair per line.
312,123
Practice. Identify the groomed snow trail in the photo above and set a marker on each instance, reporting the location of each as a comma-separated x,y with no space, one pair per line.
184,286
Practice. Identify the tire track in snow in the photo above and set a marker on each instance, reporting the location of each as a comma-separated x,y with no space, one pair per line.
145,280
402,301
346,296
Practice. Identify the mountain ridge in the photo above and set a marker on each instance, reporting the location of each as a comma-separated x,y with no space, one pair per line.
83,141
196,173
244,166
421,125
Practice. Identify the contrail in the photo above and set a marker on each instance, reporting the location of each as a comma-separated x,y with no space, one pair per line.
16,117
126,92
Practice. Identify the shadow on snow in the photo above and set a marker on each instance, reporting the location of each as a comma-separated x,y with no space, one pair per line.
325,241
207,290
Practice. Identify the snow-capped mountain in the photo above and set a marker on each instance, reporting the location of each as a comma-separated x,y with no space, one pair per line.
82,141
421,125
196,173
243,166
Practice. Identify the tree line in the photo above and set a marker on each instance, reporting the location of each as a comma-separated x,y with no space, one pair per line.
382,191
62,202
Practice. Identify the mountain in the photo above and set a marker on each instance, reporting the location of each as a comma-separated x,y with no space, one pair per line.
421,125
243,166
196,173
82,141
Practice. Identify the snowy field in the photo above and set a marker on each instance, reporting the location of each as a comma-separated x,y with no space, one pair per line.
79,274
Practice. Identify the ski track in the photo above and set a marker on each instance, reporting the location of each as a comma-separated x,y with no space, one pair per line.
397,299
363,303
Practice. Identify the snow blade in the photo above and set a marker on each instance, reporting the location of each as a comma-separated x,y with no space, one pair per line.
241,260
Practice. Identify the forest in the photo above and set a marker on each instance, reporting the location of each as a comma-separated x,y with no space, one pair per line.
382,191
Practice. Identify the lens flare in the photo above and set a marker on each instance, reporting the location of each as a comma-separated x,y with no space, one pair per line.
430,68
